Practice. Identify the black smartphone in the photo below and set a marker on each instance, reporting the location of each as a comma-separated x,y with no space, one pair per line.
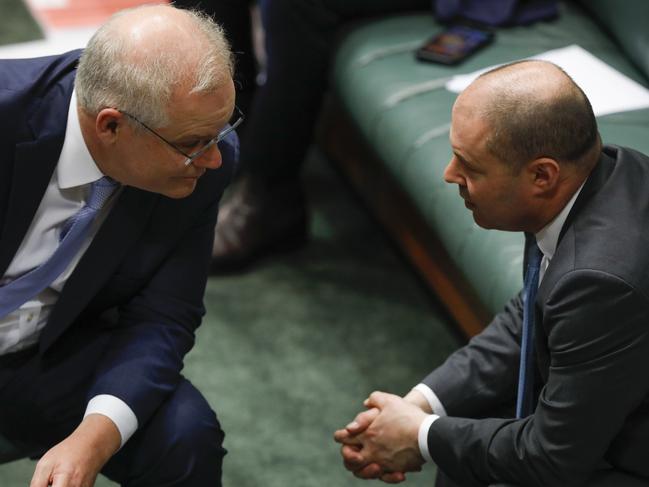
454,44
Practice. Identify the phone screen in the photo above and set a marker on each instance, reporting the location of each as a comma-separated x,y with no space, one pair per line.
454,44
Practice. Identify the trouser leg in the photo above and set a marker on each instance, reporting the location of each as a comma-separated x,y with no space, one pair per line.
266,212
181,445
300,39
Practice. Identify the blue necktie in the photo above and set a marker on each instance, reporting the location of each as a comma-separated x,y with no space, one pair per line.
14,294
524,405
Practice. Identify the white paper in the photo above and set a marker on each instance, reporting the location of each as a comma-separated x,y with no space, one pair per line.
608,90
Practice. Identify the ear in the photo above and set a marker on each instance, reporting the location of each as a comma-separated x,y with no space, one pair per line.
544,175
108,124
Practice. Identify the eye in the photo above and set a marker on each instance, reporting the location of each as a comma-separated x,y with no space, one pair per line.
467,167
189,144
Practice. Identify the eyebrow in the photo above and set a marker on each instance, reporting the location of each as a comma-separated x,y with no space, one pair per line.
471,166
462,159
206,138
196,137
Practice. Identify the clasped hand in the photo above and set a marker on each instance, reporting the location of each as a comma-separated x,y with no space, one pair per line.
382,442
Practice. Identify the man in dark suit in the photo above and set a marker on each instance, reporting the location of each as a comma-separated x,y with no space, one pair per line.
554,392
131,144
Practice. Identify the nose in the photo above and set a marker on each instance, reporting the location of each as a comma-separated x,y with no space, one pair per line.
210,159
451,173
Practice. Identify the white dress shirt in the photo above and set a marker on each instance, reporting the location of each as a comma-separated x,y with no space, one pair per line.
547,239
65,195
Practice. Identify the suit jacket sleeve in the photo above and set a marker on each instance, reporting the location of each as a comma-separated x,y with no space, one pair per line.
482,376
156,327
599,354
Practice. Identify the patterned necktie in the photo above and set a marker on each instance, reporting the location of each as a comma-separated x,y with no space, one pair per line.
14,294
526,371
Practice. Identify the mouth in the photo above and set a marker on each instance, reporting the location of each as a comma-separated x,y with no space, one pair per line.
467,201
194,176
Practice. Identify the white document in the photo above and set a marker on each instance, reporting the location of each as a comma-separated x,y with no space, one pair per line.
608,90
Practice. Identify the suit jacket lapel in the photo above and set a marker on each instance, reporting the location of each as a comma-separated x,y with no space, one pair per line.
33,166
120,230
37,152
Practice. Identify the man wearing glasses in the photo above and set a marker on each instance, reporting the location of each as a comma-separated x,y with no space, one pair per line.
111,170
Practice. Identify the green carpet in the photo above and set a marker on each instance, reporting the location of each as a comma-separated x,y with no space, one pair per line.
289,352
17,24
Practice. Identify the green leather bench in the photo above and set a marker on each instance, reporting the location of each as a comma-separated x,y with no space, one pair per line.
388,124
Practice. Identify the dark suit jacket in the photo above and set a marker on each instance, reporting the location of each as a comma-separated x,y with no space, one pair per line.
149,261
592,353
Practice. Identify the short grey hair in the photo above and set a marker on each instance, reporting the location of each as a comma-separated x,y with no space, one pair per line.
108,77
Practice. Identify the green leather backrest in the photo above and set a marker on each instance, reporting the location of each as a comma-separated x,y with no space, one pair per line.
628,22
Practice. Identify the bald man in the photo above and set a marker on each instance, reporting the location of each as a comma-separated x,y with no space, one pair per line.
112,164
556,394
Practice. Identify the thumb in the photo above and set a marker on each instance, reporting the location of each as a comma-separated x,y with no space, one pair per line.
377,399
362,421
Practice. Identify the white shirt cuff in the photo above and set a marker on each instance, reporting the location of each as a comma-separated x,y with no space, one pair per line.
117,411
433,401
423,436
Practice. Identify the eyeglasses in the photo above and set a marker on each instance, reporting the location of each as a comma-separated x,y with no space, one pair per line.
190,158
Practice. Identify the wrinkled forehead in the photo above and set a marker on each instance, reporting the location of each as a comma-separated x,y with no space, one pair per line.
211,108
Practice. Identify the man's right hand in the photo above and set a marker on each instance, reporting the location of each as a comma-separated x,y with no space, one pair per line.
78,459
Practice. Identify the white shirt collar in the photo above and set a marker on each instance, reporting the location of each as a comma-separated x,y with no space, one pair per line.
76,166
548,237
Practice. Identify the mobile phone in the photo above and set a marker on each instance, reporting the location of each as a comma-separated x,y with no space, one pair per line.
454,44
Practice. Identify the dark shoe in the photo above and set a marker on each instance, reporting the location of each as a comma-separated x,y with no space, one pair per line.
256,221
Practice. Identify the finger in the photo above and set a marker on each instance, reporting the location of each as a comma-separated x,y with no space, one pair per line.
352,458
352,453
393,477
371,471
362,421
344,437
61,480
41,477
377,399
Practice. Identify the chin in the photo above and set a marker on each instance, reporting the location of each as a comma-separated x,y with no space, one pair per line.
176,193
179,194
179,191
481,223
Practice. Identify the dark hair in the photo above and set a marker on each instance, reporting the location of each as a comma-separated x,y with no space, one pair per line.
561,126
